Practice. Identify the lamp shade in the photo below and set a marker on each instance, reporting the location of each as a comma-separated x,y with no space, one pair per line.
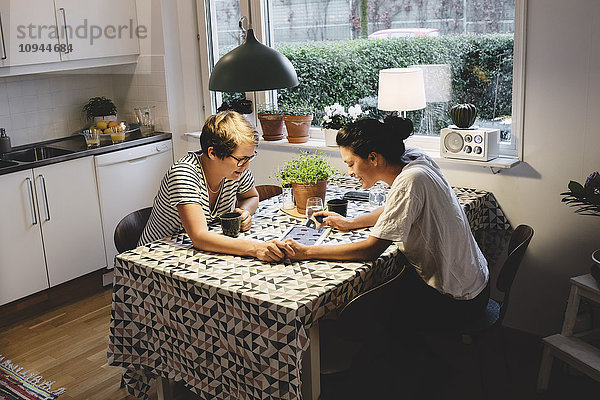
438,82
252,66
401,89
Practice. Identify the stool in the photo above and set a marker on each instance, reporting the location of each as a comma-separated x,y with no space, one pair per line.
570,347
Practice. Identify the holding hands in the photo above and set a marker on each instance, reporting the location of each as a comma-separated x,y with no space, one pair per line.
274,251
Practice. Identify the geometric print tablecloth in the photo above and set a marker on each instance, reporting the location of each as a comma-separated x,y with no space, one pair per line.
232,327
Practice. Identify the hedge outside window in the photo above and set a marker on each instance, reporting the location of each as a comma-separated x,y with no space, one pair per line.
327,42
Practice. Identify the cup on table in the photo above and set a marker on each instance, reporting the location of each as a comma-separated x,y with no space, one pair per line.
231,223
117,135
339,206
377,197
313,204
287,199
92,138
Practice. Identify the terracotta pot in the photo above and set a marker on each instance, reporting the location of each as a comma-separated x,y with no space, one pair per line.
272,126
297,127
302,192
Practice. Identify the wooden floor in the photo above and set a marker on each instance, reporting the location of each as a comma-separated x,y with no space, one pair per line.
68,344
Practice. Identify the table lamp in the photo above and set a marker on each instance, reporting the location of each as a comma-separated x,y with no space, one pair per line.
438,89
401,89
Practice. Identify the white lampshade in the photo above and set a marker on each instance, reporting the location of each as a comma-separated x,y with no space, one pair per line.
438,82
401,89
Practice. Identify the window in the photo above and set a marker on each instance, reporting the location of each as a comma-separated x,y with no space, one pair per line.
470,51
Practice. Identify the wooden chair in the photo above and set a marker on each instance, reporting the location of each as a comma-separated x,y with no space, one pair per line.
130,228
496,310
268,191
342,339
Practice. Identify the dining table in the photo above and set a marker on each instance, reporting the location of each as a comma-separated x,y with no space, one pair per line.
232,327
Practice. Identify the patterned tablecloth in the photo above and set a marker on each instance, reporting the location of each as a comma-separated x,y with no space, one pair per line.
234,327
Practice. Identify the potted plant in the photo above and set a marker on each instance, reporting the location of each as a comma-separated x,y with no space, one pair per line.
297,119
271,122
308,176
100,109
336,118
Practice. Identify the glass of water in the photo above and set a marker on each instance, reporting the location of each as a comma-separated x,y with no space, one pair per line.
377,197
313,204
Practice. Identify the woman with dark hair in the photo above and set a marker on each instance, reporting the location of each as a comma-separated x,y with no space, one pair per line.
449,275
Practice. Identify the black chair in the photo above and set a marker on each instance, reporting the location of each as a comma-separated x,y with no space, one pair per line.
361,319
268,191
130,228
496,310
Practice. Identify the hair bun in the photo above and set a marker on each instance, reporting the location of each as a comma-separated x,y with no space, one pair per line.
397,125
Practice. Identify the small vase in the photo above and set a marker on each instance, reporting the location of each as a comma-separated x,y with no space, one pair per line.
330,135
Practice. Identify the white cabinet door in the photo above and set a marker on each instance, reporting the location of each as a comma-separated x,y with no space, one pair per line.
70,216
22,266
28,34
97,28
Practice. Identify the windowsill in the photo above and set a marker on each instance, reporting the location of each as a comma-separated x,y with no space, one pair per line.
319,144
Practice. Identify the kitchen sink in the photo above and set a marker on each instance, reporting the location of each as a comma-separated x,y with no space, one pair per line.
35,154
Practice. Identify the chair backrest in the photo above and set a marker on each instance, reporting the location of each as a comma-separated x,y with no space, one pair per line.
374,305
268,191
129,229
519,240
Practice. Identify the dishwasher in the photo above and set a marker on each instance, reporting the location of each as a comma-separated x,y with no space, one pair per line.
127,181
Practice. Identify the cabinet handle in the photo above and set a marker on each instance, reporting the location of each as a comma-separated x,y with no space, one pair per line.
46,207
64,12
34,220
3,41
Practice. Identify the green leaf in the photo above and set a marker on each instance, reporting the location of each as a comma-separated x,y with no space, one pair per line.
577,189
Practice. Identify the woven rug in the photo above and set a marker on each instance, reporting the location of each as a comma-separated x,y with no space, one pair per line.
18,383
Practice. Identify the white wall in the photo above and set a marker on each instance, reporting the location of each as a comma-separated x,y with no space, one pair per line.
561,142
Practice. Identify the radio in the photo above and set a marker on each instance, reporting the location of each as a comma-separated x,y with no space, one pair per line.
469,144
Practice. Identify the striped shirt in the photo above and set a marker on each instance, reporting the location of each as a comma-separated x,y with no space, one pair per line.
184,183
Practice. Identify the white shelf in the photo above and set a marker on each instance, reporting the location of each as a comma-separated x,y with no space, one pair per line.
319,144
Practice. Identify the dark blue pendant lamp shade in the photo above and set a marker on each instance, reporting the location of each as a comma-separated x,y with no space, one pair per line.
252,66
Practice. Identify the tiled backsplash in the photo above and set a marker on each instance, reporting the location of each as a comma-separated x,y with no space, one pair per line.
47,106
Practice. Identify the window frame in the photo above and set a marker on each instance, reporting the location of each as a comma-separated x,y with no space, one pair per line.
264,31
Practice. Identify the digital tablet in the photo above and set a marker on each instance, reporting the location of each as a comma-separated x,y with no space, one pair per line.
305,235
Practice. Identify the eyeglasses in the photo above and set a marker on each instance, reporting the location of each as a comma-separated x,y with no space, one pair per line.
244,160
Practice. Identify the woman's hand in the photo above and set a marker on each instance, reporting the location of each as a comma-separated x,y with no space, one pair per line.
335,221
246,219
274,251
299,251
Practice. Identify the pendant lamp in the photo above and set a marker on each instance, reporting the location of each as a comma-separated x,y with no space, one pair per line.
252,66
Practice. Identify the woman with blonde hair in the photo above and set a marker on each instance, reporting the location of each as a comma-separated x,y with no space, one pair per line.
205,184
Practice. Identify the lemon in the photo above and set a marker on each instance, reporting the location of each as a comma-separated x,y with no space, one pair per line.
101,125
112,124
107,130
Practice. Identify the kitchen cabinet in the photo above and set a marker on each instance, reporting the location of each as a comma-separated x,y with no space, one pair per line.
22,265
53,35
67,198
25,23
51,230
97,28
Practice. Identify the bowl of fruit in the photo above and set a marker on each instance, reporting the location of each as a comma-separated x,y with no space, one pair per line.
111,130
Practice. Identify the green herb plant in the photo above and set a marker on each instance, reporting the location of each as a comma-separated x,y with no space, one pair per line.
99,106
307,169
268,108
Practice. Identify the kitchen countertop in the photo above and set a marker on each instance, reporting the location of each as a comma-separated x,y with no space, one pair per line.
76,143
